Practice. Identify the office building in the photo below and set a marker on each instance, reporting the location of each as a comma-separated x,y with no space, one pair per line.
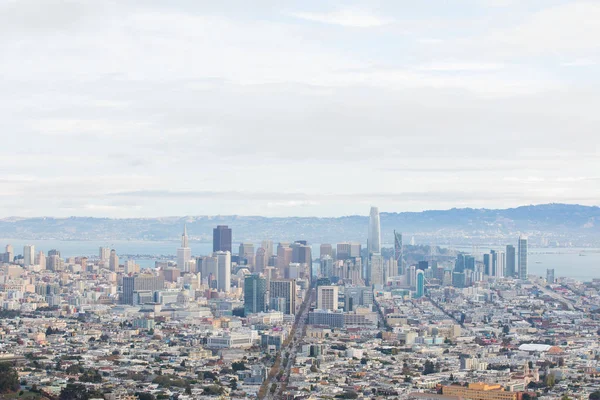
222,238
325,250
550,275
327,298
398,256
28,254
487,264
261,260
9,255
40,259
284,256
511,260
282,295
523,257
140,283
54,263
326,266
499,264
255,291
376,270
374,231
246,254
268,246
223,270
113,261
184,253
104,253
420,284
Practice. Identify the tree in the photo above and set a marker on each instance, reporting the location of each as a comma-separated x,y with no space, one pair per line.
238,366
595,395
9,379
428,367
77,391
145,396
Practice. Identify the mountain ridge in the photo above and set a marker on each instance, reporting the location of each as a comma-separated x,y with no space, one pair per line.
554,221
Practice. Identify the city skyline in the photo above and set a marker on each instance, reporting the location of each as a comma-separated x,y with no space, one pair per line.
299,91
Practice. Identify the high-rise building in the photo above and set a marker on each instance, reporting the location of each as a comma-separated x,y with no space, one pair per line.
261,260
523,257
268,246
184,253
113,261
500,264
54,263
284,255
326,267
469,262
224,270
222,238
376,270
255,291
325,250
53,252
487,264
327,298
550,275
132,284
28,254
246,252
374,231
282,295
104,253
420,284
511,261
411,276
459,264
9,255
398,256
40,259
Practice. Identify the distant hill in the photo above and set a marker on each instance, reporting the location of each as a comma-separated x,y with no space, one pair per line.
555,222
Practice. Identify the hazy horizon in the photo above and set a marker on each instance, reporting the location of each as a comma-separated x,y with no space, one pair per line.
294,216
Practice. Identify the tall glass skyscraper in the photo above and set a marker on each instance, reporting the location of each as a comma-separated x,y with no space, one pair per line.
511,261
523,257
255,290
420,284
222,238
374,231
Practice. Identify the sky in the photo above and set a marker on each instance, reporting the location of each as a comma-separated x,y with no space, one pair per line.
296,108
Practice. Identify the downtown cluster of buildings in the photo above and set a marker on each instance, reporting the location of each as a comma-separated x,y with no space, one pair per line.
272,320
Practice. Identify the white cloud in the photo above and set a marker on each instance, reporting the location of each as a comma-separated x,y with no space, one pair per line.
353,18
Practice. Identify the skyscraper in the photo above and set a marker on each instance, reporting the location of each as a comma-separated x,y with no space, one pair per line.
282,295
246,252
104,253
420,284
222,238
113,261
184,253
325,250
374,231
255,290
523,257
327,298
28,254
40,260
510,261
268,246
376,270
500,264
550,275
9,256
261,260
398,252
224,270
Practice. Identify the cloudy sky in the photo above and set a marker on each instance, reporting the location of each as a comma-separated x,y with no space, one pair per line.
132,108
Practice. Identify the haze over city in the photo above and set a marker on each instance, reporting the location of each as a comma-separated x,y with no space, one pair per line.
299,200
139,109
